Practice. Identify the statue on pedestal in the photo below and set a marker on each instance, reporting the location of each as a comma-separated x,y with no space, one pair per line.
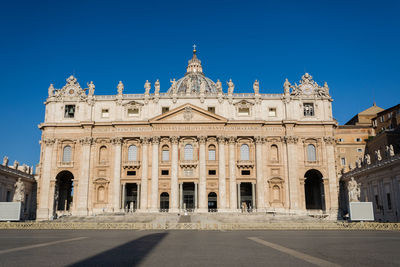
218,84
286,87
5,161
231,87
51,90
91,88
19,191
157,87
147,87
354,190
368,159
378,155
120,88
256,87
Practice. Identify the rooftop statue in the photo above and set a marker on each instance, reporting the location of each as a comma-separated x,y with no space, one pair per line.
231,87
219,86
368,159
5,161
91,88
378,155
256,87
147,87
286,87
173,86
391,151
51,90
202,88
120,88
157,87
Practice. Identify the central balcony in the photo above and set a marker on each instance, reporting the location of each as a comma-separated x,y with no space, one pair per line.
188,164
245,164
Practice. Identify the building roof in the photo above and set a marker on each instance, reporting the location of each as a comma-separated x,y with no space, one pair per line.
373,110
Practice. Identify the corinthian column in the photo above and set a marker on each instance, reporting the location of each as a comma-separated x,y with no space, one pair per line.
174,175
154,174
45,176
83,189
259,172
232,175
221,174
291,151
202,179
333,193
117,173
145,171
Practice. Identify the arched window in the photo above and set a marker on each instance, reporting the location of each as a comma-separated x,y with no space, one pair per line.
132,153
274,153
188,153
103,154
244,152
67,154
165,153
311,153
211,152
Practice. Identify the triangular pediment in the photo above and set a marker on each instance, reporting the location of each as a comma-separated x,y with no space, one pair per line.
188,113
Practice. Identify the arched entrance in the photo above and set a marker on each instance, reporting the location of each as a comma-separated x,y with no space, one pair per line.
64,191
314,190
212,202
164,201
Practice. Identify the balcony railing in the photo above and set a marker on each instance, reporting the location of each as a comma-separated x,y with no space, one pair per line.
188,163
245,164
131,165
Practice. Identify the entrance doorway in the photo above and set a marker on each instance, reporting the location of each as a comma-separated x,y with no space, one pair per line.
246,197
314,190
131,197
212,202
64,191
164,202
188,196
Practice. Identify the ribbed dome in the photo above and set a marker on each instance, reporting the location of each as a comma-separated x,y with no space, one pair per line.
193,79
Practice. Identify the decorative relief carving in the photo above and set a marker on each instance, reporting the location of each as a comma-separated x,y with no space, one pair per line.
145,140
116,141
49,141
308,87
259,139
221,139
188,114
174,140
232,139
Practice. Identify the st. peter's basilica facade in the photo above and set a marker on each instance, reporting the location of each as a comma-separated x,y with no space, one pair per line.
194,148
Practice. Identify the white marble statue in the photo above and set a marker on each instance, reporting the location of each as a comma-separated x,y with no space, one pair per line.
19,191
286,87
218,84
120,88
326,88
378,155
354,190
231,87
202,87
391,151
15,165
189,86
173,86
256,87
368,159
5,161
51,90
157,87
147,87
91,88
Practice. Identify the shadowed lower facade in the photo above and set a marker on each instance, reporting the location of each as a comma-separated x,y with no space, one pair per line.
194,147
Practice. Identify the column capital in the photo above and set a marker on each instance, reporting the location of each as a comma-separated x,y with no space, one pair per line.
221,139
174,140
289,139
86,141
145,140
155,140
259,139
232,139
49,141
116,141
202,139
330,140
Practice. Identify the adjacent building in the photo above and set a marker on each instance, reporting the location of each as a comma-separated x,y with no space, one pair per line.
193,147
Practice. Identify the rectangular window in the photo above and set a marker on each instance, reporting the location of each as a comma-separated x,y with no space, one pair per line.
382,118
131,173
272,112
164,110
245,172
211,109
105,113
69,111
211,154
343,161
341,140
212,172
165,155
374,123
8,196
308,109
359,150
358,140
244,111
389,201
389,115
133,112
164,172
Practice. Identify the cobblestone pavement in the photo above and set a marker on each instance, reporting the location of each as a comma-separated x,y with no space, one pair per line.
198,248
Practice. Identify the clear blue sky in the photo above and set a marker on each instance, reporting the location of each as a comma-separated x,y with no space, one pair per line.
353,45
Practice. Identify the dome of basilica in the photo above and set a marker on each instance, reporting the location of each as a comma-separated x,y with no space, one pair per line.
194,80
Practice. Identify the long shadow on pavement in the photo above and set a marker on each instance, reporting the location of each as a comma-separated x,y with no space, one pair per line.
128,254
